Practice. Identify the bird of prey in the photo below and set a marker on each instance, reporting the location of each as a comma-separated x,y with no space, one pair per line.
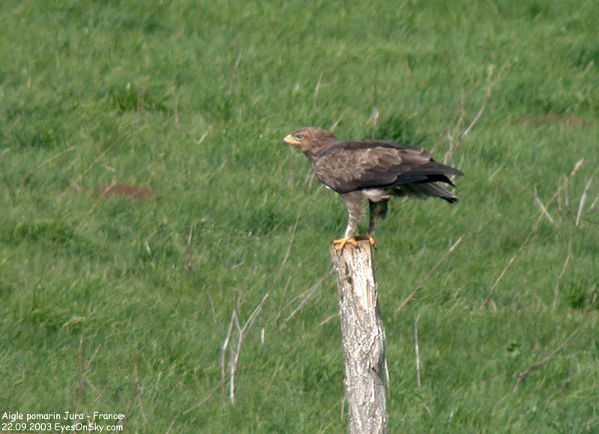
371,169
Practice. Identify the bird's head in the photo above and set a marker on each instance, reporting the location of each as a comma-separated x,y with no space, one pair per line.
309,138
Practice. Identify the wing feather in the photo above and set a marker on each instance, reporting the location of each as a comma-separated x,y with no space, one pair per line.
360,164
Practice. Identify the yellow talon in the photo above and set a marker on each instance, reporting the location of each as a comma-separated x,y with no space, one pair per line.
343,241
370,239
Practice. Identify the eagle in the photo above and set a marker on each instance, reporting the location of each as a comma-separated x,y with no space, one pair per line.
375,170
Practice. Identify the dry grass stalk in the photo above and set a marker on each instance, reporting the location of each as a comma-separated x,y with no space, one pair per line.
42,164
140,391
317,88
225,345
327,319
202,401
533,229
374,119
561,274
188,253
417,352
431,271
311,292
543,208
91,166
522,376
288,251
454,138
583,197
235,352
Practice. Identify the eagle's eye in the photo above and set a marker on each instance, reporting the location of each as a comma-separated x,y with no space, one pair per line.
299,136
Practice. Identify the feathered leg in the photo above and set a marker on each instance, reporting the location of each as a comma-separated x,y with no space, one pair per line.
377,209
353,202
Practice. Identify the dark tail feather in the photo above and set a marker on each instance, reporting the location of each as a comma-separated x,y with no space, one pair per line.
436,190
429,172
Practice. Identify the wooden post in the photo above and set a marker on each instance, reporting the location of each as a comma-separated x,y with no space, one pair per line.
363,338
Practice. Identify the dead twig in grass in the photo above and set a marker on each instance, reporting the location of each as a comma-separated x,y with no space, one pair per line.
336,124
91,166
225,345
561,274
586,426
288,251
327,319
140,391
533,229
42,164
594,203
583,198
134,394
235,352
522,376
431,271
188,254
281,307
311,292
543,208
233,362
417,352
454,139
317,88
205,398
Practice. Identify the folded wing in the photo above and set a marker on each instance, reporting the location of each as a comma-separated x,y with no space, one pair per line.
363,164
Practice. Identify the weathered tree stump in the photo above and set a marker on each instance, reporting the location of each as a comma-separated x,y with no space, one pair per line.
363,338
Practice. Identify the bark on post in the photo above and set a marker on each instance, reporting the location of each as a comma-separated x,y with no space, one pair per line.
363,338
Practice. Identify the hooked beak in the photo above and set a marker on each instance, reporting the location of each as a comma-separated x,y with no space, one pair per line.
290,140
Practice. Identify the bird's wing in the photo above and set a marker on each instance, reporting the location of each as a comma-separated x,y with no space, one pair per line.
354,165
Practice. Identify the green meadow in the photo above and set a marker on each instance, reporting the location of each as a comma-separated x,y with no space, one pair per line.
204,301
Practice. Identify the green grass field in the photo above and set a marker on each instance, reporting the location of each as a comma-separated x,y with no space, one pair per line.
119,305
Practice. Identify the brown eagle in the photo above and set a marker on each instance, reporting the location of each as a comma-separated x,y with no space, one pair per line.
373,170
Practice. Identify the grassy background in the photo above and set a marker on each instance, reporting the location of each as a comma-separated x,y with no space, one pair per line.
120,305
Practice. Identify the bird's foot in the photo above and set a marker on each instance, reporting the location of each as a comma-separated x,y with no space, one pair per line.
342,242
370,239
